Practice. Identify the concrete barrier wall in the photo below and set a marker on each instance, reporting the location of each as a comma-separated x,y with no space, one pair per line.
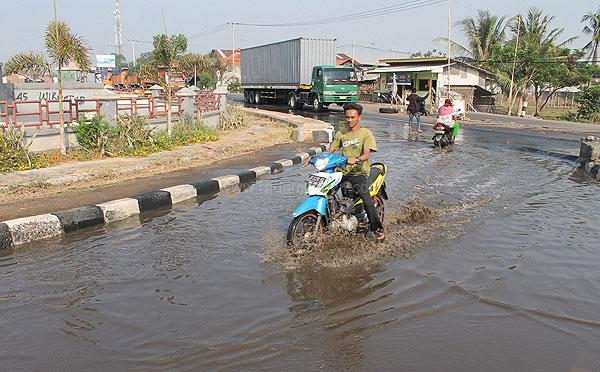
47,139
7,92
49,91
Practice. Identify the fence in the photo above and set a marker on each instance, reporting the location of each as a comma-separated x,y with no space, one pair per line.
208,102
40,113
46,113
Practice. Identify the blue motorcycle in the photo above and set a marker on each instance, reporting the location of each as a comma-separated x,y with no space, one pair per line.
332,203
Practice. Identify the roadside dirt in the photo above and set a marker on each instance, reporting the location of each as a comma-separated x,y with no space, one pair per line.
20,190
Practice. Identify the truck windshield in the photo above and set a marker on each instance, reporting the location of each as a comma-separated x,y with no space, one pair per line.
340,76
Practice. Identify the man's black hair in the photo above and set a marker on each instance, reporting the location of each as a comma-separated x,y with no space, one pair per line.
353,106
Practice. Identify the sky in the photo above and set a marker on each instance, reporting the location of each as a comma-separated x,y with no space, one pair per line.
22,22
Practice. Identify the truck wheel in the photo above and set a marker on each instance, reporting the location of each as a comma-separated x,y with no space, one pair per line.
257,97
293,101
317,104
246,96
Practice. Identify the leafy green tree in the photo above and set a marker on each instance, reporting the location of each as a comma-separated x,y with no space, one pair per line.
560,71
542,61
120,61
192,63
168,49
593,29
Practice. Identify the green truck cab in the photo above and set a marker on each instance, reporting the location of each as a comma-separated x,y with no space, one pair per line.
333,84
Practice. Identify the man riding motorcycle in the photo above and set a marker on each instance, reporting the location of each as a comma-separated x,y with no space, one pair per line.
357,143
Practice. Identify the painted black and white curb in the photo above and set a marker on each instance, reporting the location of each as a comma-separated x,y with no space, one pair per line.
28,229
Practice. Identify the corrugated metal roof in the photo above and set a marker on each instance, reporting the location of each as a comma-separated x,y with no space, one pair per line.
383,70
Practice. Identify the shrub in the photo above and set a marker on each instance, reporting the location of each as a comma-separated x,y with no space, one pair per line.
189,131
92,134
233,85
589,103
15,155
233,118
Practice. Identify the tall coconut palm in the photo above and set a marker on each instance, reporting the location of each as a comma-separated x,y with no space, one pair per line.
535,30
65,48
482,33
593,28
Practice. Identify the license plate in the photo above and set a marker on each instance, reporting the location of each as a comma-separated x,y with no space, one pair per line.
440,132
314,180
343,97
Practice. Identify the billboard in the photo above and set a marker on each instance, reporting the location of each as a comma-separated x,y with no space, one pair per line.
106,60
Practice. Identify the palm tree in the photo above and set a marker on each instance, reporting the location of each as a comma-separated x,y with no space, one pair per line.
64,48
30,64
482,33
535,31
165,54
593,19
539,42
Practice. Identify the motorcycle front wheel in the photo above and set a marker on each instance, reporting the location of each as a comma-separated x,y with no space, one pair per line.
304,229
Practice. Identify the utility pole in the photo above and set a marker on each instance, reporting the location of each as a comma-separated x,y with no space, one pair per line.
118,39
232,47
449,46
133,51
512,75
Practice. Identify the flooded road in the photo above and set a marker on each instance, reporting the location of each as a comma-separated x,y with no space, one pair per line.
502,275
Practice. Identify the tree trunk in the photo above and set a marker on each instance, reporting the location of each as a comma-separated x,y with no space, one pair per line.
536,96
61,116
547,98
519,108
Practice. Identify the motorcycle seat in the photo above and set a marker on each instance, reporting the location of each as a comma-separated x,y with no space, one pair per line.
376,170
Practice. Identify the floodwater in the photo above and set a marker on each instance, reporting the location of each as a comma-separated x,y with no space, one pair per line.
501,275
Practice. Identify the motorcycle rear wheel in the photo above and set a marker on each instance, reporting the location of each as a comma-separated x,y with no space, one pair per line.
304,229
378,201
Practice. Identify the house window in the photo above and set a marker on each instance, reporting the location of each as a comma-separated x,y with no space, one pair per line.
423,86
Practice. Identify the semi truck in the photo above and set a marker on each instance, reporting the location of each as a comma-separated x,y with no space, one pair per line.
297,72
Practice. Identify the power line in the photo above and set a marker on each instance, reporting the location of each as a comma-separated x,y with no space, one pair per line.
539,61
414,4
373,48
140,41
210,31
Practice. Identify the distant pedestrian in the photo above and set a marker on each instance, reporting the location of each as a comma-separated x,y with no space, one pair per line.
414,108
